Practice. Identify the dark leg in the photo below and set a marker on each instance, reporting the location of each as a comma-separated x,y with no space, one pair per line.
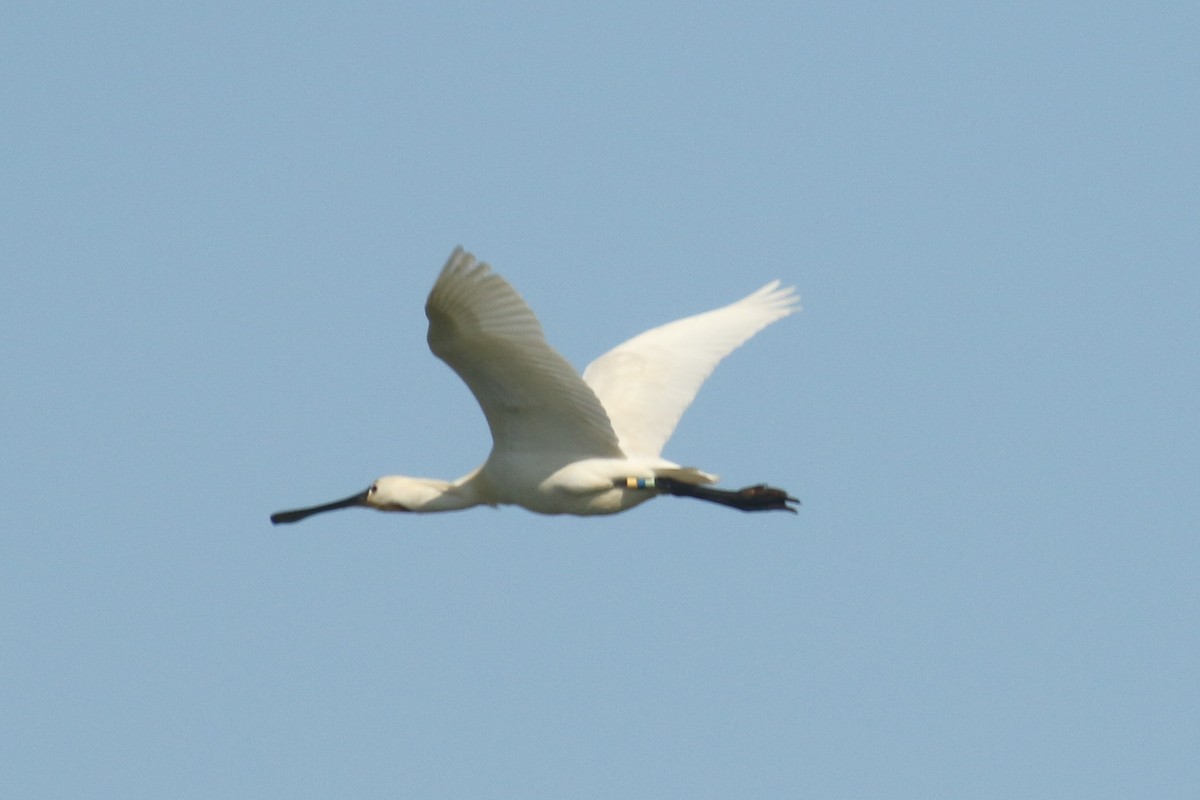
759,497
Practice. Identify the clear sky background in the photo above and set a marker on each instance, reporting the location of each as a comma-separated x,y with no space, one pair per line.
218,227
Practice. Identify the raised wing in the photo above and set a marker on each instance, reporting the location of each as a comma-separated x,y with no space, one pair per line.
534,401
647,383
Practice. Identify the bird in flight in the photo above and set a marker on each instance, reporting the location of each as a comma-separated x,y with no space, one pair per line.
564,443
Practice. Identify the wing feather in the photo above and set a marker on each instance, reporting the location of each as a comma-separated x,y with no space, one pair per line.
647,383
534,400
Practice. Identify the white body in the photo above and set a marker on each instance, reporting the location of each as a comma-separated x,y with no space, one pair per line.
560,441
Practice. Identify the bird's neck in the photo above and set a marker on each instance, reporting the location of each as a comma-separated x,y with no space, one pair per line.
453,495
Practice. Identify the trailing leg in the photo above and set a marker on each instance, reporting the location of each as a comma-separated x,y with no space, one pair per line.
759,497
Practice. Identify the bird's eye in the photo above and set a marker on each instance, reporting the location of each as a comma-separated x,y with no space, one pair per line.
374,486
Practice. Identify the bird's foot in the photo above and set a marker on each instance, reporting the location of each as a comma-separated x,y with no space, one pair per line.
761,497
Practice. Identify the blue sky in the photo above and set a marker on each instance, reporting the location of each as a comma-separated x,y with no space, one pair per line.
218,226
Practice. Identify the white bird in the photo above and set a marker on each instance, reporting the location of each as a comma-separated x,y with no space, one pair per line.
562,443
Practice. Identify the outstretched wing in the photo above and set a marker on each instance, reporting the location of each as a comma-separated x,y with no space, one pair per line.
534,401
647,383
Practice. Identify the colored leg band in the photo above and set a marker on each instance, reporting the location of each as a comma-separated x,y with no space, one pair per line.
639,483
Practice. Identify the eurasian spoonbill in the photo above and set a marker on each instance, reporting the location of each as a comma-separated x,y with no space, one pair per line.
562,443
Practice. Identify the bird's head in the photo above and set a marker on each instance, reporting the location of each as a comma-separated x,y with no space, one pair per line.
401,493
389,493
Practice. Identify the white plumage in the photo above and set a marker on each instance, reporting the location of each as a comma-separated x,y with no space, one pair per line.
647,383
564,443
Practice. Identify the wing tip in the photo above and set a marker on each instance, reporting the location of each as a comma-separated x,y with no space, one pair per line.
460,272
460,261
784,301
